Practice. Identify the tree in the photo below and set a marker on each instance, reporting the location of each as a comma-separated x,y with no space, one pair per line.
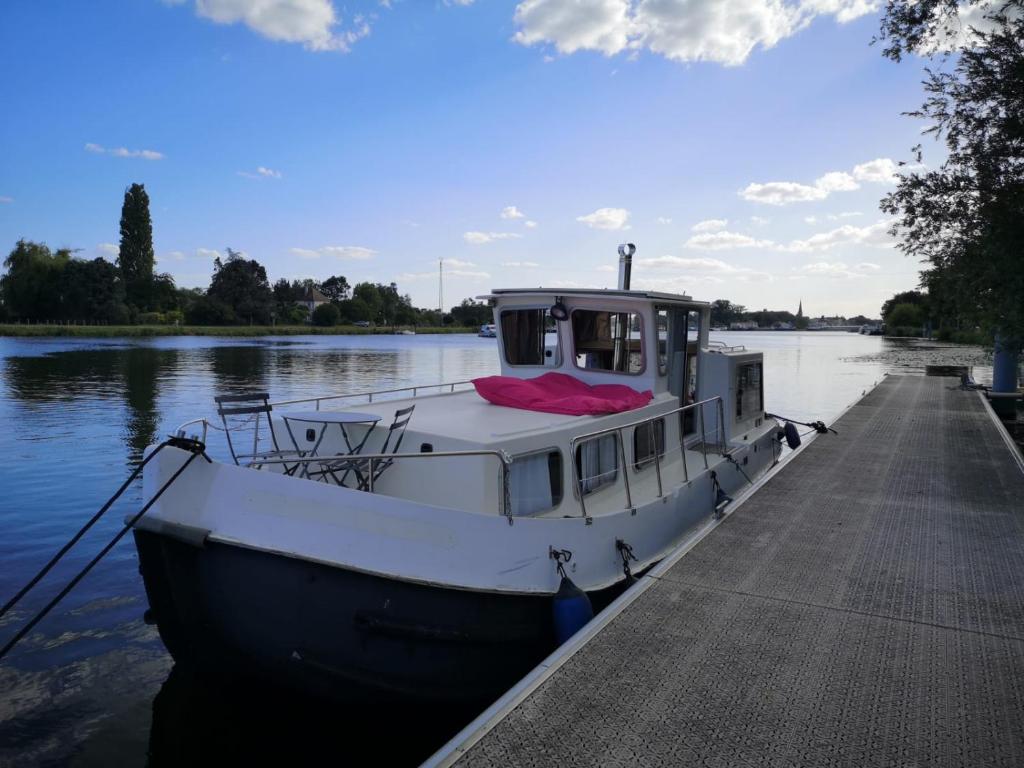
241,284
963,218
905,317
31,286
90,291
135,257
916,298
724,312
335,288
326,315
472,313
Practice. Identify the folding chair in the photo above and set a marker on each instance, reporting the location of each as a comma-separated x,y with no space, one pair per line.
252,405
368,473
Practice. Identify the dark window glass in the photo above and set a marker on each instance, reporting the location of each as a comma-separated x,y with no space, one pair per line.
608,341
647,440
525,332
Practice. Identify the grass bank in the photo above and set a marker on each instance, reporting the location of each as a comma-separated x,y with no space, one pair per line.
120,331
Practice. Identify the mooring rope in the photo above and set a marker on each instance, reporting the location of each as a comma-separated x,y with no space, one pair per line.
195,447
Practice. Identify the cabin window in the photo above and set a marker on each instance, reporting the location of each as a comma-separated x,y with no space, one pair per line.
749,391
597,463
608,341
535,482
648,438
529,337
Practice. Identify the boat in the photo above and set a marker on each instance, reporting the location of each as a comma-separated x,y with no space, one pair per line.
430,570
488,331
405,332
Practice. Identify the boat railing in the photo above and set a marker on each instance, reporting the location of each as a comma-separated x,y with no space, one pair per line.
699,407
721,346
371,460
415,390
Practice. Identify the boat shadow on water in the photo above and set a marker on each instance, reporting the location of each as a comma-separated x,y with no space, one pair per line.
203,719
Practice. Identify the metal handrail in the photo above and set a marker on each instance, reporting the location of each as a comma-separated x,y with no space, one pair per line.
617,430
504,503
370,395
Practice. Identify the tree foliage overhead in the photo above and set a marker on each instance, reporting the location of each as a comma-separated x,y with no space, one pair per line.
135,256
963,219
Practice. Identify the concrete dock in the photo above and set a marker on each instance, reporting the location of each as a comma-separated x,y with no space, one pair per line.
865,606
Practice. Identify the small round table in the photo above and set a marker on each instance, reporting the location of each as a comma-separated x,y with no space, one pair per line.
325,418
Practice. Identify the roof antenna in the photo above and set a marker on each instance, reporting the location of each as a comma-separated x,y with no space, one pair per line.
626,251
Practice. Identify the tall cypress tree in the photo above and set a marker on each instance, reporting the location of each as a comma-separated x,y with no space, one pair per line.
136,258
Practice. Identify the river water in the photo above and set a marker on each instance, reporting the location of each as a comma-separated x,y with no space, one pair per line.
92,684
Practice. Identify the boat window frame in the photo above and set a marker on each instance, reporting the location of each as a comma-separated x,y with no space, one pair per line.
577,480
554,449
500,329
638,312
640,464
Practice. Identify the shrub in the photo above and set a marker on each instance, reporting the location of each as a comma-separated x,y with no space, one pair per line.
326,314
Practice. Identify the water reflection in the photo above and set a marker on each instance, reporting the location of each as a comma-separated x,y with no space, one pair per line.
198,720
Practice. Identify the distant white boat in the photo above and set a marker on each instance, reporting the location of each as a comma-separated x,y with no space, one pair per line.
405,332
488,331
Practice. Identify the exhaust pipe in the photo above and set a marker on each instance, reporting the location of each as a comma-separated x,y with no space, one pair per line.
626,251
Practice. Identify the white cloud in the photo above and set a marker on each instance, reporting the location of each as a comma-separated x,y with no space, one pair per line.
781,193
880,171
6,199
530,224
759,221
458,263
261,173
573,25
835,269
605,268
664,220
837,181
811,219
520,264
717,241
606,218
207,253
352,252
472,275
709,268
874,236
480,238
710,225
511,212
171,256
680,30
108,249
145,154
313,23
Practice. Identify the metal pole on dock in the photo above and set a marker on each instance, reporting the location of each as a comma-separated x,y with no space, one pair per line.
1004,374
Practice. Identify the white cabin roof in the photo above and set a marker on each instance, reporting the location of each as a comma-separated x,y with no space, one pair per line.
613,293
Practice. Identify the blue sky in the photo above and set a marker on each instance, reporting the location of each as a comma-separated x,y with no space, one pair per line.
742,145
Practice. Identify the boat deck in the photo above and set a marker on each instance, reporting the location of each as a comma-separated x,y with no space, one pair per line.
865,606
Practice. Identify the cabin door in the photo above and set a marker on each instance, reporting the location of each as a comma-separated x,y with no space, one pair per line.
678,344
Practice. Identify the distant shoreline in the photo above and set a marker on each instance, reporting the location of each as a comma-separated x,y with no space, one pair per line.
112,331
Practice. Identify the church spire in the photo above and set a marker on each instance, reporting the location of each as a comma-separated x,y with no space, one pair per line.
800,310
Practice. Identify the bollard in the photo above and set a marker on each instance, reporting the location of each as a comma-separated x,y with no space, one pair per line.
1004,375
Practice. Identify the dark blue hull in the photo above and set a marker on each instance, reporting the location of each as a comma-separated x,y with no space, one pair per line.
338,633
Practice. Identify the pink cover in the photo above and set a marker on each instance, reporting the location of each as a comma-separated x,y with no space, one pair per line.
560,393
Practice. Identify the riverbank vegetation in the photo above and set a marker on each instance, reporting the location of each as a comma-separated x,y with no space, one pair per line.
134,331
963,218
45,292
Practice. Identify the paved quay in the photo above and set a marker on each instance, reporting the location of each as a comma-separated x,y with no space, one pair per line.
864,607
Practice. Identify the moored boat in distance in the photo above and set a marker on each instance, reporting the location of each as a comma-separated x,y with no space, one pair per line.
411,543
488,331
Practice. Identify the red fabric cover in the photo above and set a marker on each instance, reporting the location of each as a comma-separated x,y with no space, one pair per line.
560,393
